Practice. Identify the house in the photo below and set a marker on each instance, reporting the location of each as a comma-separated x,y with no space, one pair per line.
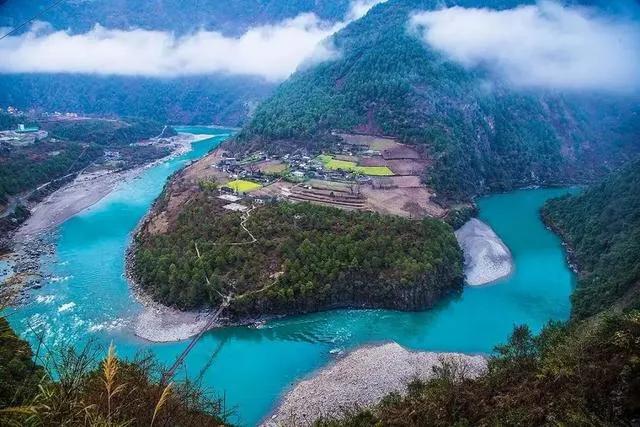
237,207
229,197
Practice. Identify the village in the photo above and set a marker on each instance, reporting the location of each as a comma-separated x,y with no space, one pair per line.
360,172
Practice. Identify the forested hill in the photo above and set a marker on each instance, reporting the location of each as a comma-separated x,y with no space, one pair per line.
194,99
180,16
70,147
583,372
216,99
304,258
386,81
602,226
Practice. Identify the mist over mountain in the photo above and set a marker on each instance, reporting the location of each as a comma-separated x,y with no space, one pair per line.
488,121
461,177
104,57
229,17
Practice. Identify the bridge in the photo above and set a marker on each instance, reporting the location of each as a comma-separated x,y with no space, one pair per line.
194,340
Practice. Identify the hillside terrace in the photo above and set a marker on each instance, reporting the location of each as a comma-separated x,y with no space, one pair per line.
359,172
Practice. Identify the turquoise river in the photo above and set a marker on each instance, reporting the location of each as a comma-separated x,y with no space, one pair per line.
86,297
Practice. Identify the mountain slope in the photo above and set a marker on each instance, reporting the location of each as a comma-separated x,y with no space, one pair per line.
223,100
602,226
215,98
229,17
583,372
482,137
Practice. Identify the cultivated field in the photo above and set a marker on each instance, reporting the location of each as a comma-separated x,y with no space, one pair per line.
242,186
332,163
271,167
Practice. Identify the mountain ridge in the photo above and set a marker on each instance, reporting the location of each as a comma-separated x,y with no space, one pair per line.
482,135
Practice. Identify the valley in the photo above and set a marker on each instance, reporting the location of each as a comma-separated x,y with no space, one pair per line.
75,152
408,213
281,350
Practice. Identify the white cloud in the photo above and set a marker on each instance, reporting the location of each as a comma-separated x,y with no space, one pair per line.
269,51
359,8
544,45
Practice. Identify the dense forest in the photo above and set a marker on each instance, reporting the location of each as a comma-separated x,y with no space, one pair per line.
386,81
221,99
305,258
107,131
602,228
81,387
583,372
24,168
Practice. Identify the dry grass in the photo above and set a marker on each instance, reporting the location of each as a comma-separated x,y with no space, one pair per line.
272,167
79,391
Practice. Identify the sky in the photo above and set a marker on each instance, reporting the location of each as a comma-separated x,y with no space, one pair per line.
269,51
545,45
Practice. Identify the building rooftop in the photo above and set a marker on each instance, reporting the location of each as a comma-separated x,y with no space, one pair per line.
235,207
229,197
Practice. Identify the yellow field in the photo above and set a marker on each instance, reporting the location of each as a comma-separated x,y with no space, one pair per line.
242,186
332,163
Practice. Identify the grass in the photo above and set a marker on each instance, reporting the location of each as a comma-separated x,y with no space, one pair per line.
242,186
332,163
375,170
328,185
382,144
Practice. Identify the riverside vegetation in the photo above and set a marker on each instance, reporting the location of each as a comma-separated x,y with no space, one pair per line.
602,228
29,172
76,388
583,372
70,147
304,258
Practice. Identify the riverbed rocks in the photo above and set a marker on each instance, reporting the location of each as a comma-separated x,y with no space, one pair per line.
486,257
362,378
158,323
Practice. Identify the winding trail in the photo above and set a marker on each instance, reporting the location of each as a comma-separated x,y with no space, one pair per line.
243,220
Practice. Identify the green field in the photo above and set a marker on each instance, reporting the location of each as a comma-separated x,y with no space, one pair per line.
242,186
332,163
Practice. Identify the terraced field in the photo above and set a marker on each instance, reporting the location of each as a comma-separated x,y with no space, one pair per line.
335,164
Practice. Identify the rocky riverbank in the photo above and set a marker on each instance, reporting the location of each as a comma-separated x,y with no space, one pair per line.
160,323
20,265
20,269
360,379
88,189
486,257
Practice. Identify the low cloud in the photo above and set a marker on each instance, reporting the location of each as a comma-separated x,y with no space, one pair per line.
359,8
269,51
542,46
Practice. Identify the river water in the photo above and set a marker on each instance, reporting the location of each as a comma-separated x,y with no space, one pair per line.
87,298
